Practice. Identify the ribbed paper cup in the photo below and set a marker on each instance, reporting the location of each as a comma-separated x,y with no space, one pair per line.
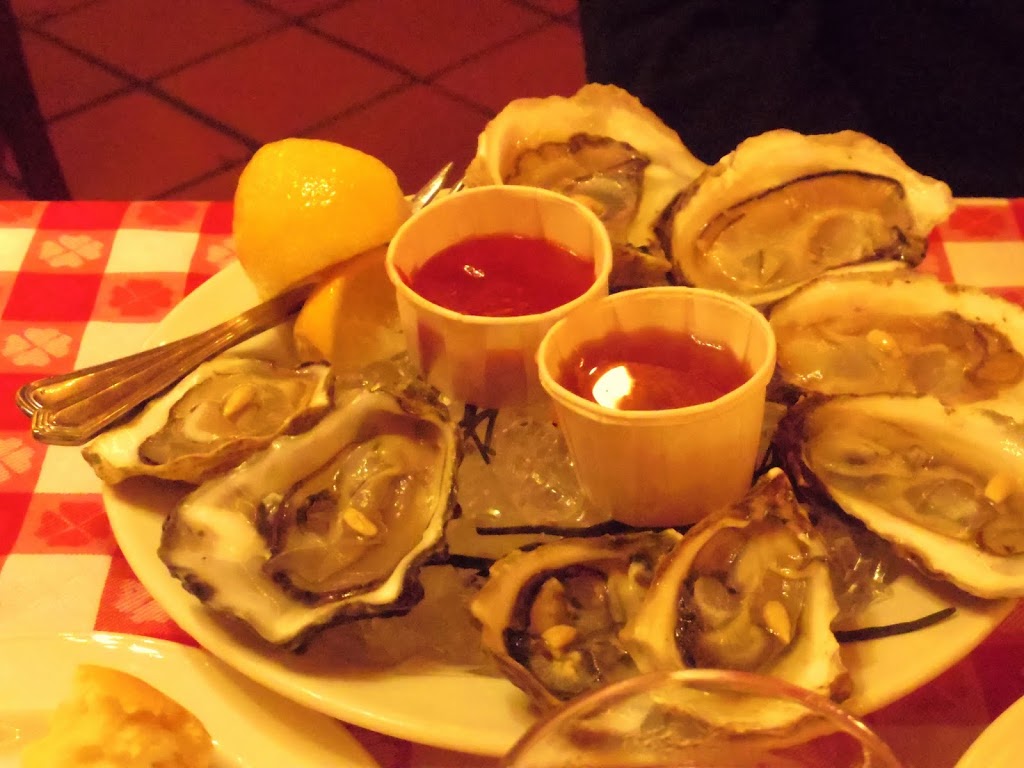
666,467
489,361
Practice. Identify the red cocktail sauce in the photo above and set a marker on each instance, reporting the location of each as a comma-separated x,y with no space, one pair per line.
502,276
652,369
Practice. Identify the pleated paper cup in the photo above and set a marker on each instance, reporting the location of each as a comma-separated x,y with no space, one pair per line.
665,467
489,361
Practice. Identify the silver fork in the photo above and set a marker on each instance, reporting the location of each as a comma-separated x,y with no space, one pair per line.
71,408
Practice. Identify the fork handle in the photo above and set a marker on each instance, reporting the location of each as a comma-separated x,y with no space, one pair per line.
71,408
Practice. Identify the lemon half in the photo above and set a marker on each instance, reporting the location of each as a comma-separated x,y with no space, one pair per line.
304,205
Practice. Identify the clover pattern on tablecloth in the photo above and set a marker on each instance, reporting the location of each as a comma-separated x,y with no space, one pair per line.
20,212
133,602
220,252
166,214
959,695
74,524
982,222
15,458
70,250
36,347
138,297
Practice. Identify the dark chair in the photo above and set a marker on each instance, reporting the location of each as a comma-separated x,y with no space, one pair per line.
22,126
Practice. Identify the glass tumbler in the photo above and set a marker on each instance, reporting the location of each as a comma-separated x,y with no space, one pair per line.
700,718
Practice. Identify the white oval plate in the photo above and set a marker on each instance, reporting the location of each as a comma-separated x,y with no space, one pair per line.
999,745
251,726
452,708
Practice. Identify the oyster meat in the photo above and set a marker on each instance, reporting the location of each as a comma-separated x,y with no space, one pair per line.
220,413
550,616
784,208
747,588
943,484
603,148
329,525
900,333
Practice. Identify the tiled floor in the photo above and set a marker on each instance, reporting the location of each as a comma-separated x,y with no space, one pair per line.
150,99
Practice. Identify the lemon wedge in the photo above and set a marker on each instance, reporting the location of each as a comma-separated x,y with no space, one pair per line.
304,205
351,319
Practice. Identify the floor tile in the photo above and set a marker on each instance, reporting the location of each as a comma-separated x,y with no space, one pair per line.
33,10
220,186
430,36
148,37
542,64
62,79
281,85
557,7
136,146
121,149
300,7
415,132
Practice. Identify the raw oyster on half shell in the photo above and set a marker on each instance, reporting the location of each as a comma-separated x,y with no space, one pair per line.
902,333
603,148
223,411
943,484
322,527
784,208
550,616
747,588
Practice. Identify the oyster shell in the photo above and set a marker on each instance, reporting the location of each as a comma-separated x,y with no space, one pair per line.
321,527
602,147
223,411
747,588
944,484
899,333
550,616
783,208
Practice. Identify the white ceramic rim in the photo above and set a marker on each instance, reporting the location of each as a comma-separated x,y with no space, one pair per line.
252,726
601,258
758,377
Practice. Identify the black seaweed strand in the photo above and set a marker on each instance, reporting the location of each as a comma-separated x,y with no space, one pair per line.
597,529
890,630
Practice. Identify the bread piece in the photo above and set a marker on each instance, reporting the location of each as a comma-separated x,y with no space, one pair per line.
113,719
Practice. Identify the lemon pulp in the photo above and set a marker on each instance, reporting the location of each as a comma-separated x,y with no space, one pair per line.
351,319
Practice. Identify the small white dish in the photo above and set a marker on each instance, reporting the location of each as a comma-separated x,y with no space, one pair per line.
251,726
1000,745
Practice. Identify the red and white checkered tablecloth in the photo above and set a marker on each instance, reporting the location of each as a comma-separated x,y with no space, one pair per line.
84,282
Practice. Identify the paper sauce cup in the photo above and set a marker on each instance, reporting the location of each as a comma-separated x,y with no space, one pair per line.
489,361
669,467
